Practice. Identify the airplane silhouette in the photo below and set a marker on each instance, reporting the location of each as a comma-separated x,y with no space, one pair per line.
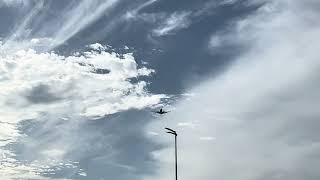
161,111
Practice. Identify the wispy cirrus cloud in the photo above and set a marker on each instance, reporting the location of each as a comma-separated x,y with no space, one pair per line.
82,15
15,3
176,21
134,12
58,25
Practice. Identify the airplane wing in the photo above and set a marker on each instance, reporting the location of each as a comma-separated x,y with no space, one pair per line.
156,112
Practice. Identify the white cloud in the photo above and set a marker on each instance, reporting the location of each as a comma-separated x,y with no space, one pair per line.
14,3
134,12
62,25
263,110
80,16
228,1
72,78
49,86
151,133
97,47
176,21
22,30
188,124
207,138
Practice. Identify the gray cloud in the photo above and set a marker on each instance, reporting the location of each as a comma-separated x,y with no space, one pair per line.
41,94
261,112
114,146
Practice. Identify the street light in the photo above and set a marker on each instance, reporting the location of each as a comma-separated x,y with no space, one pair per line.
170,131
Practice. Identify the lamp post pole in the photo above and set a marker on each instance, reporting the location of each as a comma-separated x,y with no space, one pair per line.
170,131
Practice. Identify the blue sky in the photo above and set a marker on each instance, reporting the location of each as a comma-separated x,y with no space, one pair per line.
79,81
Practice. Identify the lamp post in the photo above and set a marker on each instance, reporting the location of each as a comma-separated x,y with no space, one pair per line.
170,131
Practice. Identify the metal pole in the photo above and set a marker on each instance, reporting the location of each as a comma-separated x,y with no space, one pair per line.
176,156
171,131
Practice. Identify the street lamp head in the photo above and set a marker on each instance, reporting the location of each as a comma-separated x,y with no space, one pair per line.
171,131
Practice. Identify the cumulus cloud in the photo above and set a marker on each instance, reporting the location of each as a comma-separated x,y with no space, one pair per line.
54,88
262,111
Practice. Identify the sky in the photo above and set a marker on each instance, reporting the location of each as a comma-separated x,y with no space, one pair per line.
80,81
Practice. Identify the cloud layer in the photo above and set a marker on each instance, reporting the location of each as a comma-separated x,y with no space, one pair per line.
60,114
259,118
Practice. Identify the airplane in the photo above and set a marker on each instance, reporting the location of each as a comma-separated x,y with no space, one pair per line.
161,111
